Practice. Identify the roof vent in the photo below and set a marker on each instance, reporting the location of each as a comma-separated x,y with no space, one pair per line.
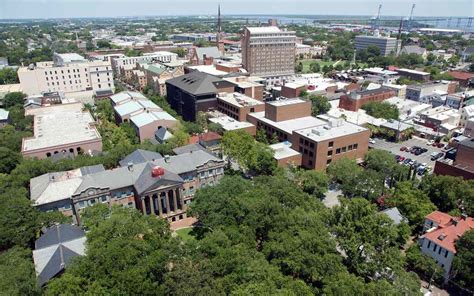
442,237
157,172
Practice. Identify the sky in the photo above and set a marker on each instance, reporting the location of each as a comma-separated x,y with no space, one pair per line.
13,9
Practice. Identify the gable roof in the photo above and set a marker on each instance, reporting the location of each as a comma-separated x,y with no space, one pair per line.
446,235
55,249
147,182
162,134
140,156
408,49
196,83
186,162
395,215
210,52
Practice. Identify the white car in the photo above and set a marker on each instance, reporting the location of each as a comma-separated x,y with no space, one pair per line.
430,142
371,141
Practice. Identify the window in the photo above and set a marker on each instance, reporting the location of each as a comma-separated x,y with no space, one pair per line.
338,150
429,244
331,144
349,147
328,161
435,247
344,149
310,163
301,140
445,253
311,145
311,154
329,152
103,198
81,204
355,146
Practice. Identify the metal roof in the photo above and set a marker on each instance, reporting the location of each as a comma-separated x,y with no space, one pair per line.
196,83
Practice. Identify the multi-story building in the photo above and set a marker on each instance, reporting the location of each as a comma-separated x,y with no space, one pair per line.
467,113
158,73
145,116
441,233
418,92
414,74
194,92
162,187
251,86
462,165
61,129
355,100
4,117
435,118
159,56
66,73
237,106
268,52
387,45
335,139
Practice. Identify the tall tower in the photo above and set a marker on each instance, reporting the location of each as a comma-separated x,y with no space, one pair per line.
220,43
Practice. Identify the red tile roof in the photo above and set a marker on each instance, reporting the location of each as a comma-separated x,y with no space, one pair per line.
446,236
194,139
439,218
210,136
459,75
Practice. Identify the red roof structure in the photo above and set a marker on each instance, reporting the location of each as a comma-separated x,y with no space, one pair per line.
448,232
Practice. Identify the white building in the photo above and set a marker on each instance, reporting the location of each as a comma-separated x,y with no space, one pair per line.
159,56
467,113
66,73
439,241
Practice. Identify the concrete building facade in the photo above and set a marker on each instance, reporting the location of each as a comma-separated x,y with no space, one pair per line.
387,45
268,51
66,73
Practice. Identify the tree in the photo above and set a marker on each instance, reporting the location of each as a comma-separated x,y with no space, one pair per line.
299,67
181,52
103,44
14,99
423,264
8,76
449,193
320,105
8,160
413,203
381,110
215,127
312,182
463,264
124,245
314,67
18,273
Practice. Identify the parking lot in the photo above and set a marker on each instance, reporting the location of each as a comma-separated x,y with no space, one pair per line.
394,148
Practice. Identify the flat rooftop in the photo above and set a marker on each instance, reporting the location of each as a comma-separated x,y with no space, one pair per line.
334,128
285,102
412,71
227,122
58,125
291,125
283,150
239,100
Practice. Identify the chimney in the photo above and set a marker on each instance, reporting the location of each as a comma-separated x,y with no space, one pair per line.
167,158
464,216
130,166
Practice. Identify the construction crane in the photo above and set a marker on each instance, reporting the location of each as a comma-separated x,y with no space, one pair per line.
376,19
410,20
399,37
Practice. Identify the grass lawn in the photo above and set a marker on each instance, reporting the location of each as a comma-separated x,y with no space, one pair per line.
185,234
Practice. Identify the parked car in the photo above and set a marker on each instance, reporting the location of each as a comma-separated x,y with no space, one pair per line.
371,141
403,148
406,161
440,145
401,158
437,156
430,142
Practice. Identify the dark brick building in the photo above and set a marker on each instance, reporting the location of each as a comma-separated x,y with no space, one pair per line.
355,100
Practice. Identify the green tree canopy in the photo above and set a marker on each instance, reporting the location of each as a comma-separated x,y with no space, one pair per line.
381,110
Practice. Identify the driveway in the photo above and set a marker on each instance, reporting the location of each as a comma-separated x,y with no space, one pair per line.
394,148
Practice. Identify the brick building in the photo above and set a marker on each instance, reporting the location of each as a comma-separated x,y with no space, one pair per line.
237,106
463,165
336,139
355,100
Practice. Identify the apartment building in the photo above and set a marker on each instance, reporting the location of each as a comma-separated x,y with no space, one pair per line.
61,129
118,64
157,74
268,52
387,45
355,100
441,231
67,73
414,74
162,187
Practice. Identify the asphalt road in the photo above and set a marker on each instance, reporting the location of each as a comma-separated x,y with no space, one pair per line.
394,148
